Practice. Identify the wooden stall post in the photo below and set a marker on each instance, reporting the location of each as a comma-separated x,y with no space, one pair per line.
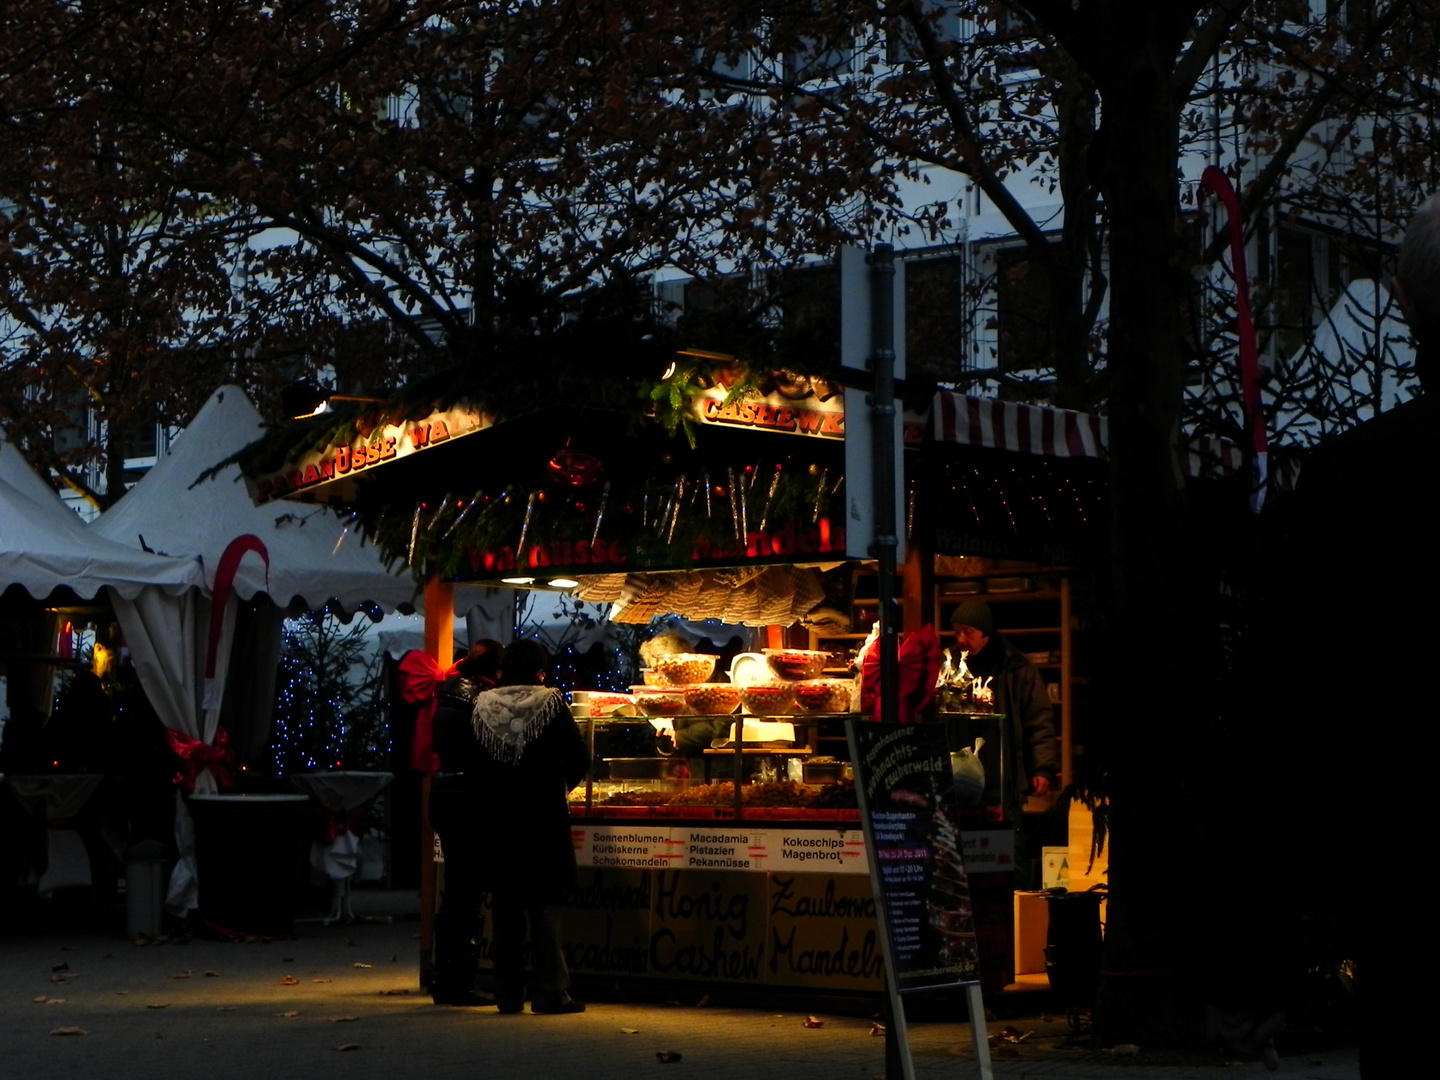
440,646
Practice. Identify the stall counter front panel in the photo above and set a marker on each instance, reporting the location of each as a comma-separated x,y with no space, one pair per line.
783,906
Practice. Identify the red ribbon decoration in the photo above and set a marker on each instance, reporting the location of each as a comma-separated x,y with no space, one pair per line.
336,823
420,677
1214,180
196,756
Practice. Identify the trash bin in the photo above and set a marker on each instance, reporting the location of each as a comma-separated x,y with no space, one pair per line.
1072,946
145,881
250,858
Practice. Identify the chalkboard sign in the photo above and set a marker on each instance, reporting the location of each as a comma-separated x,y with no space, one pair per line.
904,783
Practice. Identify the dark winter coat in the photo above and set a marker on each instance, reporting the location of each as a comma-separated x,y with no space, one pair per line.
520,754
1020,694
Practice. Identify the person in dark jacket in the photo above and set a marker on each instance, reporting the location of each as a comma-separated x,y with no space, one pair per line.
1020,694
528,754
455,818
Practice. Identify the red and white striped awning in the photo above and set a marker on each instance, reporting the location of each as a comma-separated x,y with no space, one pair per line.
1037,429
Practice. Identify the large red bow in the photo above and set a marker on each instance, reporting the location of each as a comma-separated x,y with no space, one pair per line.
336,823
420,677
918,657
196,756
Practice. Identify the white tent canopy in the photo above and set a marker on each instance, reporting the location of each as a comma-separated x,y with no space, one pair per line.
43,545
168,511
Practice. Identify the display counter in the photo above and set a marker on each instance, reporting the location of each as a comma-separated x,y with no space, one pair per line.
765,885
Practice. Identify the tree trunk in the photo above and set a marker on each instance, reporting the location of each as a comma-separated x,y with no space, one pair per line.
1155,609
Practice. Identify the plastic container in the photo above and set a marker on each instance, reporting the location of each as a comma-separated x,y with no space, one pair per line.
712,699
823,695
683,669
796,664
250,855
145,881
768,699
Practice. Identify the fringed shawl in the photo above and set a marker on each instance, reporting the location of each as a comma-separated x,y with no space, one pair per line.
508,718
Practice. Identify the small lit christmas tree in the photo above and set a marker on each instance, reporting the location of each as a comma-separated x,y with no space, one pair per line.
329,701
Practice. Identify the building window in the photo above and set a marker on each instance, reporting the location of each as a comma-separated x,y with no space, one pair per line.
937,319
1022,311
902,44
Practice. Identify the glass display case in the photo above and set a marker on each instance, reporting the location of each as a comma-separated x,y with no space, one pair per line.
789,765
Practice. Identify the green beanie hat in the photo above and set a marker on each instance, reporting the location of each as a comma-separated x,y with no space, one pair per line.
974,613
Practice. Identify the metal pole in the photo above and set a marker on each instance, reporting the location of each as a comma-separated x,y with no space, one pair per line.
882,413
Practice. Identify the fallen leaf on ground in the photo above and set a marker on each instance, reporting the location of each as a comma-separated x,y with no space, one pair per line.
43,1000
289,980
63,978
68,1031
665,1057
225,1008
289,1014
813,1022
61,967
360,965
1009,1034
703,1002
348,1046
321,980
341,1019
183,974
158,1005
213,974
122,993
877,1029
395,993
629,1031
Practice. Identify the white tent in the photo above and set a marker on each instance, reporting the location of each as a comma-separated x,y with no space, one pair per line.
172,511
44,545
1358,362
305,556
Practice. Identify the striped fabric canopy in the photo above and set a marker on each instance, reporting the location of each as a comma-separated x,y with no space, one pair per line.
966,420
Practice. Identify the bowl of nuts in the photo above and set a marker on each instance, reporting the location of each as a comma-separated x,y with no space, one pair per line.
823,695
659,700
683,669
796,664
712,699
768,699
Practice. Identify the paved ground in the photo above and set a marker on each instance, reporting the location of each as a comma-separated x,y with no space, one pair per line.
344,1002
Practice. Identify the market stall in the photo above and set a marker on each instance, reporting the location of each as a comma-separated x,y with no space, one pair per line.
686,874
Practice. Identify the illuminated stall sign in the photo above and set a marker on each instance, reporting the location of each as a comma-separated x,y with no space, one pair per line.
810,407
798,405
339,462
783,544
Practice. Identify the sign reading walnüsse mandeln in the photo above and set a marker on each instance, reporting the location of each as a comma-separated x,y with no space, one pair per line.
328,474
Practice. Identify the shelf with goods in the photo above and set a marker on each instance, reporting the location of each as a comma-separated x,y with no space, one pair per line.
1035,611
666,783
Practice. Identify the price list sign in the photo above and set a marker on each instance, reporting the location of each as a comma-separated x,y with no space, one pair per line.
904,782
